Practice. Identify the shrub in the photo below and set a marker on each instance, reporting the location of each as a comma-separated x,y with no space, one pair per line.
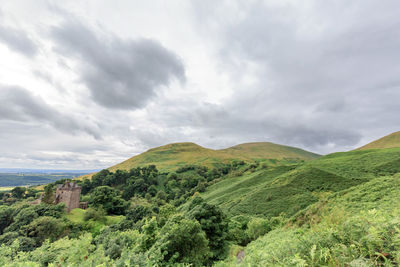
180,241
44,228
96,214
258,227
107,198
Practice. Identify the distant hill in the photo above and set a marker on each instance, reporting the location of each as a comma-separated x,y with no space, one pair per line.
389,141
10,177
267,150
175,155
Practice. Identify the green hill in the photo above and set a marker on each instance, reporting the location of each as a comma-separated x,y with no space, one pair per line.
289,189
389,141
340,210
267,150
354,227
173,156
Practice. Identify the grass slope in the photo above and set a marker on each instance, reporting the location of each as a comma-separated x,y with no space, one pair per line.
173,156
267,150
289,189
389,141
354,227
352,221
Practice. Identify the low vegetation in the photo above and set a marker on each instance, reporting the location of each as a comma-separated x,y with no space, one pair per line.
337,210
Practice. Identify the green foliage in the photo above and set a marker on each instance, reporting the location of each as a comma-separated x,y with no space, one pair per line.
18,192
65,252
369,238
138,213
181,241
55,211
44,228
107,198
49,195
115,242
95,214
6,217
166,212
258,227
24,217
213,222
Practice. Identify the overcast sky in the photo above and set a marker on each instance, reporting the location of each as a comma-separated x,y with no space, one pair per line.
87,84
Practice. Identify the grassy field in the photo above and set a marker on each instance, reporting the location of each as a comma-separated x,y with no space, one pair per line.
77,215
6,188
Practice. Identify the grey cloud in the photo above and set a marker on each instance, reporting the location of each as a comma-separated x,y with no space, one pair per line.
324,77
18,41
20,105
120,74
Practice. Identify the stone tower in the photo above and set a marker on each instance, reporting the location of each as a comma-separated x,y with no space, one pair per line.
70,194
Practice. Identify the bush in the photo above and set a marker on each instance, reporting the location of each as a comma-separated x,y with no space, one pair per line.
107,198
44,228
95,214
258,227
213,222
180,241
137,213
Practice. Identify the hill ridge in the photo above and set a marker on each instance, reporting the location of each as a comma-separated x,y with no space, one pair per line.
175,155
389,141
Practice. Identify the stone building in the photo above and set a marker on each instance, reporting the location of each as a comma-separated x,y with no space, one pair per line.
70,194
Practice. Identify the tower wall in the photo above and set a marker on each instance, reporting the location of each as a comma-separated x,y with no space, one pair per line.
70,195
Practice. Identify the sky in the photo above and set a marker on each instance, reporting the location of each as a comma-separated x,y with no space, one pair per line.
88,84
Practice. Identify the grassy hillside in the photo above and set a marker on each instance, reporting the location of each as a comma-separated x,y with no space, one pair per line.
389,141
341,211
173,156
176,155
262,150
354,227
291,188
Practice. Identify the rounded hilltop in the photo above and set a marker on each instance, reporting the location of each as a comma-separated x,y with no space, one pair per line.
175,155
270,150
389,141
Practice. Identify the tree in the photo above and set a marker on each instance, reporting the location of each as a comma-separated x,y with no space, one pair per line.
140,186
6,217
55,211
98,178
18,192
24,217
181,240
87,186
166,212
48,196
31,192
152,190
107,198
213,222
44,228
138,212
